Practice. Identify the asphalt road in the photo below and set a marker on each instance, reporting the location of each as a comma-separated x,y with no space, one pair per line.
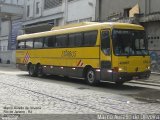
24,95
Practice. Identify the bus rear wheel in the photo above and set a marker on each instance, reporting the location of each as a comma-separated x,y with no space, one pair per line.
32,71
91,77
40,71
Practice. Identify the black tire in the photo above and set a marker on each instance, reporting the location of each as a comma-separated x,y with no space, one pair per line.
91,77
32,71
120,83
40,71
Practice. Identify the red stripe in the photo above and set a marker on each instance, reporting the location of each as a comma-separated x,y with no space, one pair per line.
82,64
79,63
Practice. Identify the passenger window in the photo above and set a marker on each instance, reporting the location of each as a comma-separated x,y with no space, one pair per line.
49,42
139,43
105,42
90,38
75,39
61,40
21,45
38,43
29,44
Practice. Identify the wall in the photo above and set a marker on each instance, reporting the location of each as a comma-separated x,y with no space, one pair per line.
146,6
80,10
110,7
153,32
6,54
155,5
19,2
43,12
29,3
46,16
5,27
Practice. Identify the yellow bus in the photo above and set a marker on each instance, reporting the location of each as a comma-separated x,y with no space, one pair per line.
96,52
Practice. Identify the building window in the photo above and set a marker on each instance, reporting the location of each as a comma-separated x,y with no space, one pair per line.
70,0
52,3
126,12
37,7
86,19
28,10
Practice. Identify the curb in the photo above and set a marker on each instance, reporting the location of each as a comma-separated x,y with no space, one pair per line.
8,65
155,73
145,83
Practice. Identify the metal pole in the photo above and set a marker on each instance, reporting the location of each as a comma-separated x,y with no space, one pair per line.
10,34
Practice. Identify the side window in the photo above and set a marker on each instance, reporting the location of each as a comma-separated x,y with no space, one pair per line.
75,39
105,42
29,44
90,38
139,44
21,45
61,40
38,43
49,42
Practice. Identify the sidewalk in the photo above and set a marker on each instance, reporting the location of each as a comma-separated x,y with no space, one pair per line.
8,65
153,80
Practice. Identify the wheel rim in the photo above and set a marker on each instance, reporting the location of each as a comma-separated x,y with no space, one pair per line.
91,76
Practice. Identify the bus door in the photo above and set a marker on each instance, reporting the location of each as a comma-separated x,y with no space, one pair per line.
105,55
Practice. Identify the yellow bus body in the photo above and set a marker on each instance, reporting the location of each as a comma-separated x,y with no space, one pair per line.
75,61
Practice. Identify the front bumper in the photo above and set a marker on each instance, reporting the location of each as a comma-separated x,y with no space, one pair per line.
124,76
130,76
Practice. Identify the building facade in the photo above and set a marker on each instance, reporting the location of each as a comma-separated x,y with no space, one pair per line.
144,12
11,11
42,15
31,16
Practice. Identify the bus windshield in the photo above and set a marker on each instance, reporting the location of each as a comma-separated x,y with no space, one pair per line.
129,42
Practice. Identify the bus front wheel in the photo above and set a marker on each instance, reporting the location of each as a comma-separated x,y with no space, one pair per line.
119,83
32,71
91,77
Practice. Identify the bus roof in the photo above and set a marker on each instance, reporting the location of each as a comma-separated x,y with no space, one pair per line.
73,25
84,26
